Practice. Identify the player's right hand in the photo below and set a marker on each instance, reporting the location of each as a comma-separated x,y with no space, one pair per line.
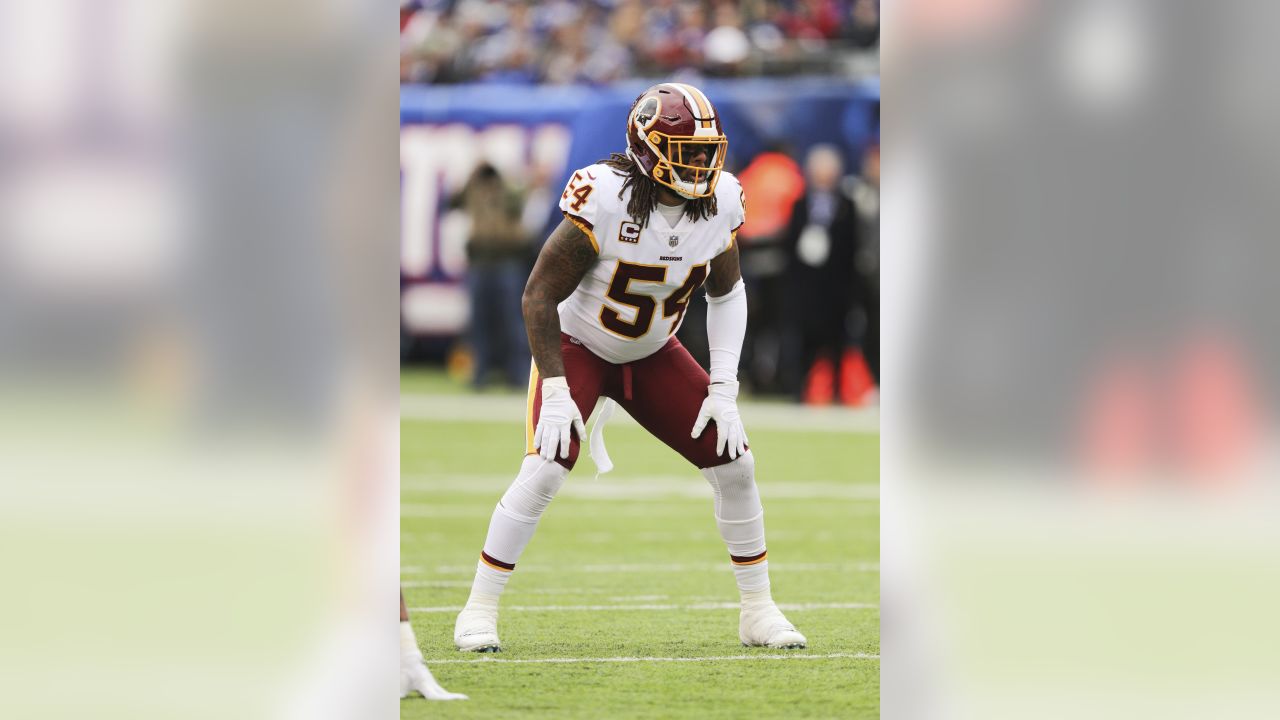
559,415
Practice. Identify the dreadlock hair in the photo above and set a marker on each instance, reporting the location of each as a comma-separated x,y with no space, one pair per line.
644,192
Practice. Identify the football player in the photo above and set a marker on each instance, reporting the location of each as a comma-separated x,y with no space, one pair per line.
641,232
414,674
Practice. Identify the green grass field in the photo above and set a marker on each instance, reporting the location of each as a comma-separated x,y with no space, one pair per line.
624,604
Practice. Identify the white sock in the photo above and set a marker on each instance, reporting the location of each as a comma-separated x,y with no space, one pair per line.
756,597
489,581
752,578
740,518
513,522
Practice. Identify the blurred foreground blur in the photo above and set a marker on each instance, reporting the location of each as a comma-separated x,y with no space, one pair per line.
197,359
198,450
1079,446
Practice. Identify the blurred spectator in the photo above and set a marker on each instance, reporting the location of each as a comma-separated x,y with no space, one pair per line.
726,47
627,27
865,191
594,41
497,267
510,54
428,43
812,19
541,214
863,25
575,61
821,239
771,183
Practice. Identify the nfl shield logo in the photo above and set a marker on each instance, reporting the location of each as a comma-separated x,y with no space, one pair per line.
673,240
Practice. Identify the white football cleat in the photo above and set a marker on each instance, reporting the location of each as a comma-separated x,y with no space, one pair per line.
414,675
477,627
764,624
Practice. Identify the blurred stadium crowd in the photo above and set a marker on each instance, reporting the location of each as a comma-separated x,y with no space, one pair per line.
599,41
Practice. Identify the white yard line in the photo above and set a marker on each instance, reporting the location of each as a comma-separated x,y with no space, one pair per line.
762,656
645,508
763,415
651,606
419,510
435,583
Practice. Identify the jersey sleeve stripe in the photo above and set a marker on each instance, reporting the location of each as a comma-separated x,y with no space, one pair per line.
585,227
733,236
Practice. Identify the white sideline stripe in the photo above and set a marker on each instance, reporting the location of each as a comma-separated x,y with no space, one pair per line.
764,415
641,487
871,567
696,606
828,656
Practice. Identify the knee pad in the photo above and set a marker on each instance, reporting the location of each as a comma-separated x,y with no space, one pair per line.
534,488
739,514
734,485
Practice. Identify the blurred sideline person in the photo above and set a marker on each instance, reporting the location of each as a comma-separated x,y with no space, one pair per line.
641,233
865,191
774,182
821,239
497,254
414,675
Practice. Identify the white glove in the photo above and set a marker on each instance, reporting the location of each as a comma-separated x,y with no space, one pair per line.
721,405
559,414
414,675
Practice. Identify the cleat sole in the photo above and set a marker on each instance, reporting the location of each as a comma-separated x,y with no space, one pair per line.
789,646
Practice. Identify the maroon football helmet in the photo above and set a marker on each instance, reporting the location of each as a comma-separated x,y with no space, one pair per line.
674,134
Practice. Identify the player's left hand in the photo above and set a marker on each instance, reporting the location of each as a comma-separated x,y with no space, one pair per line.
414,675
721,405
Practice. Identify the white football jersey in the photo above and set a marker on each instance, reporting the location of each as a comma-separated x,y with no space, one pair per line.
633,299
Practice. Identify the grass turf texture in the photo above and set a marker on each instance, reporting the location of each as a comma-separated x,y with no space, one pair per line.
628,545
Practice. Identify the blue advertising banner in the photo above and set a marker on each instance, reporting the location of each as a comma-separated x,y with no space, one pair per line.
535,136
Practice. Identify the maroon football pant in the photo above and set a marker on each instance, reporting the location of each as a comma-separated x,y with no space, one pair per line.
663,392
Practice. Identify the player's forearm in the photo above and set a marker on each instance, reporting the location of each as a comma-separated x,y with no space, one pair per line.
726,315
542,323
726,328
564,260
